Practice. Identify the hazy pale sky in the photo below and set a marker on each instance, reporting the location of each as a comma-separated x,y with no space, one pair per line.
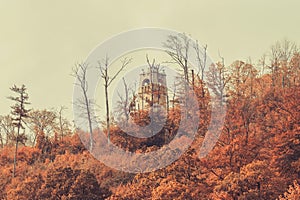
40,41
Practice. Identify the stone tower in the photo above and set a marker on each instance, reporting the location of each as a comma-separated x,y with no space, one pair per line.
152,89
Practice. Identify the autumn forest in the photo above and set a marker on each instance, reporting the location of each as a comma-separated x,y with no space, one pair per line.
43,155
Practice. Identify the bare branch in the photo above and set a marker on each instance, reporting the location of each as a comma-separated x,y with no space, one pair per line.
125,62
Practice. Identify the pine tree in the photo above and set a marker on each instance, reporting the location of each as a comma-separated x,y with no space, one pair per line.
19,113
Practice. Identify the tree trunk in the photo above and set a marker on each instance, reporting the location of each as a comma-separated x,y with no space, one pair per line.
16,149
107,113
126,101
89,120
61,125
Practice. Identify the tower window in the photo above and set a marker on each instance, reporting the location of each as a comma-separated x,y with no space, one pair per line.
146,82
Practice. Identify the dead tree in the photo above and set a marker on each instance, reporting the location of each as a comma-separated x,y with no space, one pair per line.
218,78
7,129
262,63
178,47
280,54
85,104
64,124
108,79
201,60
123,105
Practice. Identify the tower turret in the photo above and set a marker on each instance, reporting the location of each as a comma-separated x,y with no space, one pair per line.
152,88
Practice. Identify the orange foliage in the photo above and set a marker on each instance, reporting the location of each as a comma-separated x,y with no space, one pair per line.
257,155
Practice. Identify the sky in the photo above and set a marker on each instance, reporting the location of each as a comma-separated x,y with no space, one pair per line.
40,41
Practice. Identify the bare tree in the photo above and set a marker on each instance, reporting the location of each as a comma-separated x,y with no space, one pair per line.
7,129
42,122
262,63
20,113
108,79
85,104
201,60
218,78
178,47
64,124
123,103
280,54
294,68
